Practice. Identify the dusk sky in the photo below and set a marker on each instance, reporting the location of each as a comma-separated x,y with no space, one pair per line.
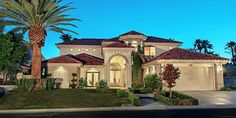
182,20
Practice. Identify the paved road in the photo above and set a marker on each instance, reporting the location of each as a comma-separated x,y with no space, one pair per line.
179,113
214,97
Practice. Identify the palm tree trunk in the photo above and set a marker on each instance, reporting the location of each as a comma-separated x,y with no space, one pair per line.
36,66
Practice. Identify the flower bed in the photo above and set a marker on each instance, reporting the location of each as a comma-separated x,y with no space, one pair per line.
178,99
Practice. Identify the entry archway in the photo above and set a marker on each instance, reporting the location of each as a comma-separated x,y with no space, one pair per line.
118,71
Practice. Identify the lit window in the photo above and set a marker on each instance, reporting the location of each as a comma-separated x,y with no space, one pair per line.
86,50
150,51
71,49
94,50
78,49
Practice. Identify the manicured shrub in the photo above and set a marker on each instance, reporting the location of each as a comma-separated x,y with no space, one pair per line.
153,82
82,82
178,99
48,83
141,90
102,86
146,90
25,85
121,93
73,81
133,99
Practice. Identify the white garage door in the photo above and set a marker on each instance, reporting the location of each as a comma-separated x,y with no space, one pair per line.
195,78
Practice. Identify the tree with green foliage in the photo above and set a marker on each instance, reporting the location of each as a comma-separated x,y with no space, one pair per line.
231,48
38,17
12,53
153,81
137,70
66,37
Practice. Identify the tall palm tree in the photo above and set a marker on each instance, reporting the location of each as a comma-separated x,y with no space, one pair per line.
206,46
198,45
37,17
231,46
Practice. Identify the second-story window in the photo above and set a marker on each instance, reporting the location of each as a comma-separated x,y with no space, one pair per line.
150,50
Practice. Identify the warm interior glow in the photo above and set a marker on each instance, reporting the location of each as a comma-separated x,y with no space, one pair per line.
117,70
150,51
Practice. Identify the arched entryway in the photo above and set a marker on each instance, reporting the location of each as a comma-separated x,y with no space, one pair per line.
93,77
118,71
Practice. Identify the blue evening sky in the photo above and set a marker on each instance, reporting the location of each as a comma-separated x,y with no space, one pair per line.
182,20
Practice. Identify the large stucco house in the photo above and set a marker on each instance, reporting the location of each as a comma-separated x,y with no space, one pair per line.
111,60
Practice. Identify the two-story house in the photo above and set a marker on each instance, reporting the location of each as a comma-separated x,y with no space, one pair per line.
111,60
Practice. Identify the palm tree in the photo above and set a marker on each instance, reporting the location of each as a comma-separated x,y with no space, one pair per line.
198,45
206,45
66,37
231,46
37,17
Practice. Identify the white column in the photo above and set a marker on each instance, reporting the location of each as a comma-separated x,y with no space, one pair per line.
107,73
129,75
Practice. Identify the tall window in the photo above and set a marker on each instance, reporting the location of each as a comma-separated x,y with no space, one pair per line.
150,50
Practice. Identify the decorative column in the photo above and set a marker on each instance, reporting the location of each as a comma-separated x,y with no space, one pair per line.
219,78
129,75
107,73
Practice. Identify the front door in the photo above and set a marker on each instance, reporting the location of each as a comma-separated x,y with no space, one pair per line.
92,78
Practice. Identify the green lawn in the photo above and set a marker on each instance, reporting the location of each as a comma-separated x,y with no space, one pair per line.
60,98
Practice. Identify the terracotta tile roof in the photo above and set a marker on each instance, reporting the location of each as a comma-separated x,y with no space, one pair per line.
118,45
82,58
64,59
183,54
132,33
84,41
89,59
160,40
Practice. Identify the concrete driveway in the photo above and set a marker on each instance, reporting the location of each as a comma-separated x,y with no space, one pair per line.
213,97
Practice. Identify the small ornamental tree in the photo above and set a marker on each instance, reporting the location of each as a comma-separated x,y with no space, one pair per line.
170,75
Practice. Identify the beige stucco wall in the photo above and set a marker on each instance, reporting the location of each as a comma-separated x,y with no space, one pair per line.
163,47
195,74
100,68
73,68
78,49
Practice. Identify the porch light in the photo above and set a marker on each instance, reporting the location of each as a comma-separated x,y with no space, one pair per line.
171,47
78,49
71,49
94,50
86,50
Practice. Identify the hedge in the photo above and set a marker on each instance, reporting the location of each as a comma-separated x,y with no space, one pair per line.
133,99
121,93
141,90
180,99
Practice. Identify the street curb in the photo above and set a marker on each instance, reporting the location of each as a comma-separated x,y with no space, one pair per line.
116,109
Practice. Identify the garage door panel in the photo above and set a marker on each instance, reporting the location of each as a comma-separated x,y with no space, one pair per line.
195,78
